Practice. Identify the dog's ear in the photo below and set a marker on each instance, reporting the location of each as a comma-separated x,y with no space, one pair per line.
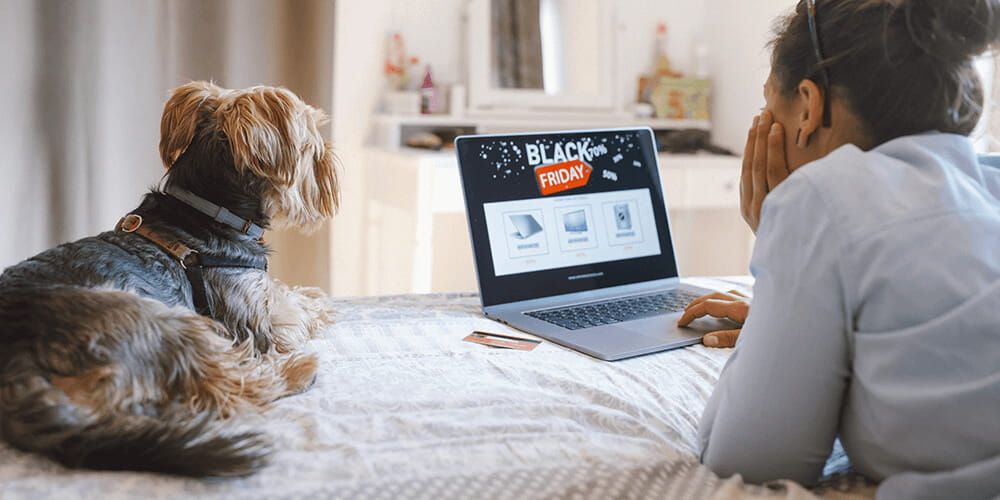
328,199
275,136
260,125
181,115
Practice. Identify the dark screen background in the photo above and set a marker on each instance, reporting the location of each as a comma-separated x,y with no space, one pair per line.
495,168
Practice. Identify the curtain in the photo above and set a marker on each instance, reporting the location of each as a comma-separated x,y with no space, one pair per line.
83,86
517,43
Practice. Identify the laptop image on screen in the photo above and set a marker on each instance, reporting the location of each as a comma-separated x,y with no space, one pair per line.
572,241
526,226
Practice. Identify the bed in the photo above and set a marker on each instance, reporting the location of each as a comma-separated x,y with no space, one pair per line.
403,408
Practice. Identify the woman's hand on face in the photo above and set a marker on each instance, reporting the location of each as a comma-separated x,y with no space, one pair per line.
732,305
764,166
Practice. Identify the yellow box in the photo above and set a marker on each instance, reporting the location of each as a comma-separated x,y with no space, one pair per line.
682,98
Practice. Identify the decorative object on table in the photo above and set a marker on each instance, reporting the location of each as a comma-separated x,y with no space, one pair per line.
663,68
643,110
397,63
681,98
429,98
425,140
643,89
400,98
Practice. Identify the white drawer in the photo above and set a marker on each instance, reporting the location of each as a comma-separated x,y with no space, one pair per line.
674,186
701,181
712,187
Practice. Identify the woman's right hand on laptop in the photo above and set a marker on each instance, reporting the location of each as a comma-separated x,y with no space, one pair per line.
732,305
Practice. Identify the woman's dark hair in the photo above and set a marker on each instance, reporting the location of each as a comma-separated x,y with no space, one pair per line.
903,66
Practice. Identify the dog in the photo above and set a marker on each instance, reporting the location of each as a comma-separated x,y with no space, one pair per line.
133,349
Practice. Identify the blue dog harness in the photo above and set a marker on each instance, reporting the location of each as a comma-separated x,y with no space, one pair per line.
193,262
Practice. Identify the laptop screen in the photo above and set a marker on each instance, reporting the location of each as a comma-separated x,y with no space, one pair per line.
557,213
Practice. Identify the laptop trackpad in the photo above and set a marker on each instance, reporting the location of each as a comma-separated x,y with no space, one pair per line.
665,327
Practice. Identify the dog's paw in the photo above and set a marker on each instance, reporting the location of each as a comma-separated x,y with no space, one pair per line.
316,304
300,373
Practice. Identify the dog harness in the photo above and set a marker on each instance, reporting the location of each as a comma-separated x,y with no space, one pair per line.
193,262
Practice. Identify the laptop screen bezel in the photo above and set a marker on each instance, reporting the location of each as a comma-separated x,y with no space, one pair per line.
496,290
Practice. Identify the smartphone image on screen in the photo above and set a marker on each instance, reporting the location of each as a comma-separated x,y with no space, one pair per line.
623,219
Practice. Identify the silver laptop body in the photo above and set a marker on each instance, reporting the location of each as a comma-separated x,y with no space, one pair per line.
576,219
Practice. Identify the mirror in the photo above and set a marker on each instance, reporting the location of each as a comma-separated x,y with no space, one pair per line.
541,54
545,44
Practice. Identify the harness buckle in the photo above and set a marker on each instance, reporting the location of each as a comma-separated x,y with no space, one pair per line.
130,223
189,258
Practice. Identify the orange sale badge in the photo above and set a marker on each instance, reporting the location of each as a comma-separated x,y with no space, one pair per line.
564,176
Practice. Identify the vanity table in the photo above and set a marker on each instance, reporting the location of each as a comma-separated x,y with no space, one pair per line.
550,75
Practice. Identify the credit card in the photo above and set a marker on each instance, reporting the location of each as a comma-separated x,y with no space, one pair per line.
502,341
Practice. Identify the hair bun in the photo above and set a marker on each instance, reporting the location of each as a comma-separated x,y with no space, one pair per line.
954,31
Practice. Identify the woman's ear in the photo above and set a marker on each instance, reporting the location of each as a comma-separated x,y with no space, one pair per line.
811,112
180,118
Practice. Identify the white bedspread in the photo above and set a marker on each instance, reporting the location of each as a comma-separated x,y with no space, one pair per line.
403,408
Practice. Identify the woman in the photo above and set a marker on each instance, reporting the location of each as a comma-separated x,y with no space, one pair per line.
876,309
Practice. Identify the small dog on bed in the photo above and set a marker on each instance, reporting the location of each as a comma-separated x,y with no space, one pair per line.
128,350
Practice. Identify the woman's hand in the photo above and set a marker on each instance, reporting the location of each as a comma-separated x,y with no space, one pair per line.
732,305
764,166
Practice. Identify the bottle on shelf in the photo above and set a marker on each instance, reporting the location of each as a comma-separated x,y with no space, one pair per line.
662,66
428,94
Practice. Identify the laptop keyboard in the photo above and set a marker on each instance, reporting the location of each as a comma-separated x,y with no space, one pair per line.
615,311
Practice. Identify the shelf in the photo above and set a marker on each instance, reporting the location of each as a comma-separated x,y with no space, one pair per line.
539,121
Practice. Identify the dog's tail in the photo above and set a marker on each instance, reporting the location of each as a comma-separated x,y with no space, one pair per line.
196,448
38,416
44,412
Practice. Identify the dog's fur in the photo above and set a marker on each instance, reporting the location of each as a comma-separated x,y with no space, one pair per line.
103,361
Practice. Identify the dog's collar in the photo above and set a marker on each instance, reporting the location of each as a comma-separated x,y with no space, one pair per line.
216,212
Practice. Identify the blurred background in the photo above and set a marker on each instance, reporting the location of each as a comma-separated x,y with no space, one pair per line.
84,83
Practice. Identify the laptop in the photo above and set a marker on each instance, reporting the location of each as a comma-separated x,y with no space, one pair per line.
572,242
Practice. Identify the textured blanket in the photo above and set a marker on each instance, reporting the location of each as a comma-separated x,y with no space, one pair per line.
403,408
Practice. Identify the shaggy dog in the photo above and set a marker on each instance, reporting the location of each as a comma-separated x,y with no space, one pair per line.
130,349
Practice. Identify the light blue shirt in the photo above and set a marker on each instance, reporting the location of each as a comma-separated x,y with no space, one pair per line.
875,318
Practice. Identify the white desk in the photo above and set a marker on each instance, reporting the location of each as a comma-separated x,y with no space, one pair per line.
418,239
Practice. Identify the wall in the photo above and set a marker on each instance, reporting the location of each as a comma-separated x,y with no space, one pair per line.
740,64
357,87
